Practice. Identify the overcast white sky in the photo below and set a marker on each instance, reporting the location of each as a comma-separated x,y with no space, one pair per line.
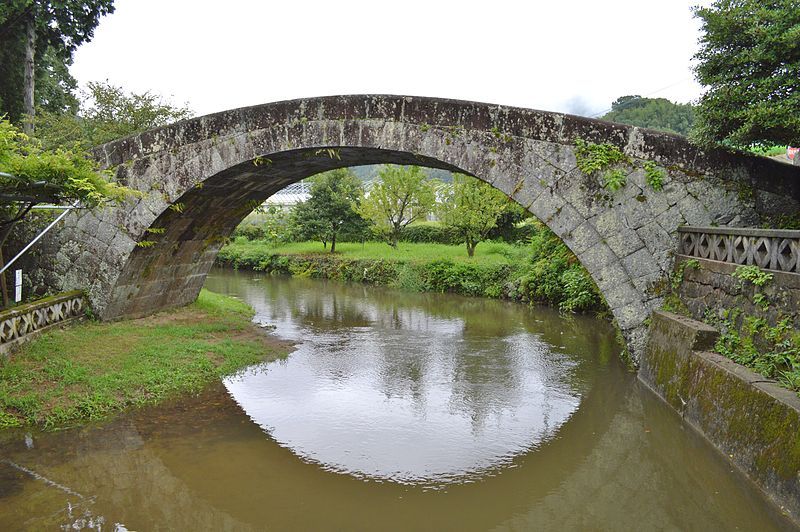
566,55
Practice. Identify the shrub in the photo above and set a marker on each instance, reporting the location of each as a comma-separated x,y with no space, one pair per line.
250,231
430,233
555,276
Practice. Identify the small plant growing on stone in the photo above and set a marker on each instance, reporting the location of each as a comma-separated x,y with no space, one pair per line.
677,276
505,137
331,153
754,275
614,180
593,158
761,300
654,175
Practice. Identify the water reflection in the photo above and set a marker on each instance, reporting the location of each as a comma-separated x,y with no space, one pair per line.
399,387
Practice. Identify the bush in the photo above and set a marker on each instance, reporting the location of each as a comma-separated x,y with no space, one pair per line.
555,276
250,231
437,233
430,233
579,291
522,233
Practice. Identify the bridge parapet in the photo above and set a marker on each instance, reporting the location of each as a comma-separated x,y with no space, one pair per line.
21,323
770,249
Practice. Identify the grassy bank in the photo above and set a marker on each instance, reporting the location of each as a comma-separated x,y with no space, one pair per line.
247,252
91,370
544,271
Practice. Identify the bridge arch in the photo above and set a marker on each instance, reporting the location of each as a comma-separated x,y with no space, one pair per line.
198,178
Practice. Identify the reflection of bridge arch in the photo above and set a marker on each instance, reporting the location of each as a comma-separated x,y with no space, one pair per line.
201,177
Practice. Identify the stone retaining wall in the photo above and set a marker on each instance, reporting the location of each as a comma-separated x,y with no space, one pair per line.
22,323
711,286
755,423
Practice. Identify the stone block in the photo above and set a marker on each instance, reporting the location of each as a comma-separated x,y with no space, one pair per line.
565,220
621,295
583,237
546,205
641,264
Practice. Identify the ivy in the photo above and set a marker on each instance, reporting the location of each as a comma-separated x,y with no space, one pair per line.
677,276
761,300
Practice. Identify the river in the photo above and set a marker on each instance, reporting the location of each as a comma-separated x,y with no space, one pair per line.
397,411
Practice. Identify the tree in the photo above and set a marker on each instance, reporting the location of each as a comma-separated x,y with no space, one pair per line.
471,208
107,112
30,175
506,224
329,211
32,29
749,61
653,113
400,196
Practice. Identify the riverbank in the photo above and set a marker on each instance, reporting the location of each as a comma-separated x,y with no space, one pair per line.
93,369
544,271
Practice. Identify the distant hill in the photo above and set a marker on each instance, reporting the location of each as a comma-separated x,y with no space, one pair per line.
653,113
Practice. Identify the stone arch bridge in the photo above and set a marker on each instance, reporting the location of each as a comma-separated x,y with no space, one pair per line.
199,178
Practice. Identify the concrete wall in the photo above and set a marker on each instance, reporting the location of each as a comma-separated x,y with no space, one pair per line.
755,423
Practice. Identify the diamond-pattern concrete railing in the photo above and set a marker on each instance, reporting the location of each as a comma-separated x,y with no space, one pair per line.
771,249
18,323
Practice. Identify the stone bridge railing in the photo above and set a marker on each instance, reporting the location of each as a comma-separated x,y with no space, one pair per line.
771,249
20,323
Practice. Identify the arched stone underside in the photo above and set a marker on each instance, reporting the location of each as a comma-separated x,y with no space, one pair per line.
200,177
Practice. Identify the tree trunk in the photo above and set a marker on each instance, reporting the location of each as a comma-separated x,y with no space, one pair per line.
333,243
4,233
29,76
471,248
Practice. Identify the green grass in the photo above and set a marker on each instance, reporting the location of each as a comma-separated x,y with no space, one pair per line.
91,370
487,253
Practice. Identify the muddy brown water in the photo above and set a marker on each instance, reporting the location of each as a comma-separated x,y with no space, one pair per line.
397,411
